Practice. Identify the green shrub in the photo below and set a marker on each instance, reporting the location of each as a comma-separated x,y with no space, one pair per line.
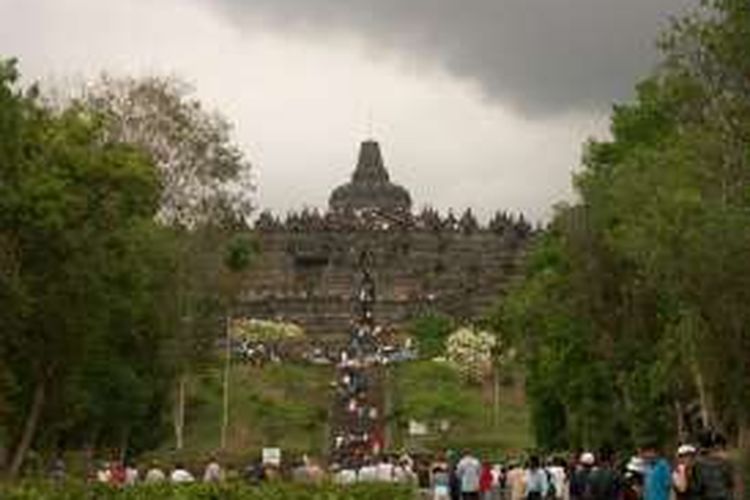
271,491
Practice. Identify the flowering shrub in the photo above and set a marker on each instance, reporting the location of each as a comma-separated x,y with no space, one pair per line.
257,330
470,352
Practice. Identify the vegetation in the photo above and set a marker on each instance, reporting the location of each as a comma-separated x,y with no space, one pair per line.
282,405
435,392
271,491
94,336
634,309
430,331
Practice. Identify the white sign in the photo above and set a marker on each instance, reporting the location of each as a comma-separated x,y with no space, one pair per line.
417,428
272,456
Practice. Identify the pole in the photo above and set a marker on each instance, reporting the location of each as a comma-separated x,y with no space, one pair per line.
227,363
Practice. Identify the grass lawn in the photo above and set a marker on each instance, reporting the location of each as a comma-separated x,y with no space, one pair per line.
287,406
430,392
277,405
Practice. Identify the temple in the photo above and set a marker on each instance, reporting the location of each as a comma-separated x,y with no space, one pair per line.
370,187
307,267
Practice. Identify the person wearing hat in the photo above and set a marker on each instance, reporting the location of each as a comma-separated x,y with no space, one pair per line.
682,480
633,479
579,482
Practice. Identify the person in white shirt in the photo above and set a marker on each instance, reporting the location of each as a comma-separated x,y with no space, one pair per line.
346,476
155,474
181,475
559,479
213,472
368,472
103,474
385,470
131,475
536,480
468,471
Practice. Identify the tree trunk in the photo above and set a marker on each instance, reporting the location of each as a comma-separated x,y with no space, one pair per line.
179,413
700,386
29,429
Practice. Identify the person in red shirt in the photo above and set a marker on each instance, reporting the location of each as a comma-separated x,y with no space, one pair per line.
117,473
485,481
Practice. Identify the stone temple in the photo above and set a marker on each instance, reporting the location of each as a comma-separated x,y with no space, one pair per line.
308,265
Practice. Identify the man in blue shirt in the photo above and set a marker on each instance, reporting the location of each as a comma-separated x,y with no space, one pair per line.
658,479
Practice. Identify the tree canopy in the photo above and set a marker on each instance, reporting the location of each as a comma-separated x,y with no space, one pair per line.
633,312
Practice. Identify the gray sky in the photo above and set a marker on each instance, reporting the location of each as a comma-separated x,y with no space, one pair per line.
476,103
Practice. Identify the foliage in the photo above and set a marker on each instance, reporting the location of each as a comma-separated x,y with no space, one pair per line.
258,330
470,352
282,405
100,306
205,177
633,307
270,491
433,392
82,273
430,331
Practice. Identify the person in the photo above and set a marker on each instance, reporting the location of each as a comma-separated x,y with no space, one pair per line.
181,475
117,474
346,475
657,483
632,488
385,470
468,471
604,482
131,474
712,473
536,480
682,480
486,481
368,473
213,472
579,481
516,481
154,474
57,470
441,489
103,473
558,478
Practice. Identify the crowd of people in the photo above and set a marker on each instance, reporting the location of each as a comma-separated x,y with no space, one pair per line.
696,472
700,471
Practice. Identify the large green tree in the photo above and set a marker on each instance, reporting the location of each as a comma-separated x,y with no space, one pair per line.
633,309
76,210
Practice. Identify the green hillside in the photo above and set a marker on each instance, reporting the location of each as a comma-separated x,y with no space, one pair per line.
287,405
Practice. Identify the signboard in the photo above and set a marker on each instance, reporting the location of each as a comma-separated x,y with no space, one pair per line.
417,428
272,456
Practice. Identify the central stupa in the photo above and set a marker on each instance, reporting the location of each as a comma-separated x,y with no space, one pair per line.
370,187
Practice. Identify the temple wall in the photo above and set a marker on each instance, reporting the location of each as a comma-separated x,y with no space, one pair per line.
308,277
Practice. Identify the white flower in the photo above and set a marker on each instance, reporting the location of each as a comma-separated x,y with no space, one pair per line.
470,351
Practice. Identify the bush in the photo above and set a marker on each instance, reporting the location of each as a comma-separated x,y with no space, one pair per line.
77,491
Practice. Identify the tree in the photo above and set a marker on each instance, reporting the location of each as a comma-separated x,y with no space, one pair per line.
630,312
205,178
71,200
207,192
430,331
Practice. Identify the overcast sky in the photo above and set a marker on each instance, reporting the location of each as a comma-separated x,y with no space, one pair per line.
476,103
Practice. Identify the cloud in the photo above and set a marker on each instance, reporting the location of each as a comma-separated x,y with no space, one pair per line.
538,56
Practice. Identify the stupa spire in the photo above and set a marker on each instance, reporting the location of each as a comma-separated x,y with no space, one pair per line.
370,167
370,186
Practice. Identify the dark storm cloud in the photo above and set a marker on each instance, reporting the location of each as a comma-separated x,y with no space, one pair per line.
540,56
